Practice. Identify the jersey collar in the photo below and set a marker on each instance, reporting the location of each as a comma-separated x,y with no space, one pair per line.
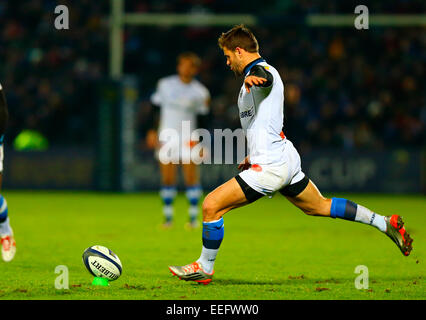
248,67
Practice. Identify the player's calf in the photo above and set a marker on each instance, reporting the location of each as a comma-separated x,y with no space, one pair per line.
310,201
320,208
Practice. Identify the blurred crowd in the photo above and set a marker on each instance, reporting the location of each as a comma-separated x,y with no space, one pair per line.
344,88
48,74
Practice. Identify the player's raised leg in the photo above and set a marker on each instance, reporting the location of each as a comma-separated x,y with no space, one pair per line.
311,202
168,191
193,192
226,197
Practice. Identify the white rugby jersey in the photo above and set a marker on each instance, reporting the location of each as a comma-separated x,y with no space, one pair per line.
179,102
261,115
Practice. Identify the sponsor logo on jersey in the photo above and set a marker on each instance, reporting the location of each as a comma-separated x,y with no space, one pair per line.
247,113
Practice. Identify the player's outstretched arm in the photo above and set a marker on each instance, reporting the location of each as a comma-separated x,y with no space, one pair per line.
258,76
253,81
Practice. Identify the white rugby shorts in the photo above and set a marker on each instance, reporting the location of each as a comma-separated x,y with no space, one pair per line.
267,179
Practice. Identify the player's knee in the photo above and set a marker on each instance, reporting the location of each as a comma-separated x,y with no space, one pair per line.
210,209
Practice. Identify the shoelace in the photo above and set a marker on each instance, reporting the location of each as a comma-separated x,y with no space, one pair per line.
193,267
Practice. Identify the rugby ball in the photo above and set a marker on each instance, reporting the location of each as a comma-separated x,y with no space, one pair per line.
102,262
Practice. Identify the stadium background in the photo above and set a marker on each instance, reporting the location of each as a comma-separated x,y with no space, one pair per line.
355,99
355,108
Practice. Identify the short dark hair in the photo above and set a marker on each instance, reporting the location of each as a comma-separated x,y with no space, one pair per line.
238,36
189,55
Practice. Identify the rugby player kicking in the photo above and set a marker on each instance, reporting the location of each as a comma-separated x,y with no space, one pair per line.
8,244
273,164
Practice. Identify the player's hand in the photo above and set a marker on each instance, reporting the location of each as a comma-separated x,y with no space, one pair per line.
151,139
253,81
245,164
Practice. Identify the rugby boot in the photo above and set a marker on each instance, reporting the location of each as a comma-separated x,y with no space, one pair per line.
396,231
192,272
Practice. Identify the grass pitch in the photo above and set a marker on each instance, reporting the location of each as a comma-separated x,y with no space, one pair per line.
271,250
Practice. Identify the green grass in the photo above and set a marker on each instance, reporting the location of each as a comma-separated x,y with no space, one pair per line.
270,251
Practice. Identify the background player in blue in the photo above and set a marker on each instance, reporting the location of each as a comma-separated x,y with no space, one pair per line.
180,98
8,244
273,164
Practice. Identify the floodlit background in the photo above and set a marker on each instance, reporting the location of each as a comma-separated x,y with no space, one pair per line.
355,99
